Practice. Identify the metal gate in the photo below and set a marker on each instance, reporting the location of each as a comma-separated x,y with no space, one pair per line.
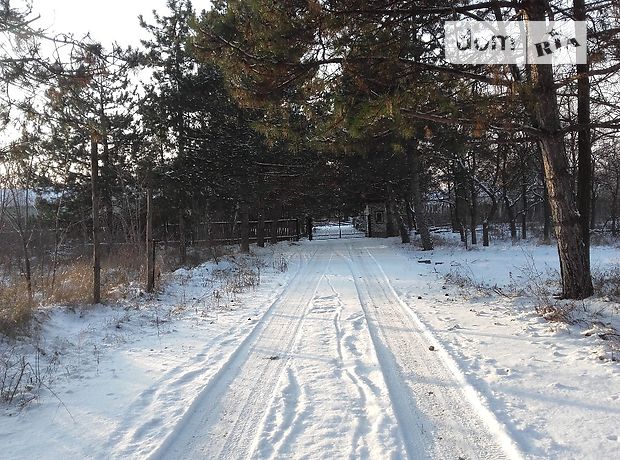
333,229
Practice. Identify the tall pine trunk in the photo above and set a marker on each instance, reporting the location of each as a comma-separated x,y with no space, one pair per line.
573,254
584,145
94,173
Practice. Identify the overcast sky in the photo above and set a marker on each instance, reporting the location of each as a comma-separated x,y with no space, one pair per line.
106,20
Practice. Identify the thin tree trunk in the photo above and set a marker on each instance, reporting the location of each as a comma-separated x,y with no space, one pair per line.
511,218
614,206
150,247
94,172
275,216
182,238
485,232
408,212
389,217
473,208
525,205
416,195
27,266
245,226
260,218
309,227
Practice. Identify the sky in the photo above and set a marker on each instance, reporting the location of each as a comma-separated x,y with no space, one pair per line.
107,21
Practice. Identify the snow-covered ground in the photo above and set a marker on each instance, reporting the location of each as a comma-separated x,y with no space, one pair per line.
358,348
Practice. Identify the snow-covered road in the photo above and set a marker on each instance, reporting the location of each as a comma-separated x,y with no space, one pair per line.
339,367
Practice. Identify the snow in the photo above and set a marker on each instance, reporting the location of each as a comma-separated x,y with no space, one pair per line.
357,350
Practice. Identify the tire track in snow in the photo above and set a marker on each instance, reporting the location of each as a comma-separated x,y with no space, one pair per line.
222,420
347,352
483,413
431,404
342,410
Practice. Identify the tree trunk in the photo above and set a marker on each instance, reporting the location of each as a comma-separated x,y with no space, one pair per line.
94,173
389,217
309,227
150,246
409,214
260,220
245,226
182,238
511,218
416,196
473,205
27,267
547,215
402,228
593,215
275,216
584,144
525,205
573,254
485,232
614,206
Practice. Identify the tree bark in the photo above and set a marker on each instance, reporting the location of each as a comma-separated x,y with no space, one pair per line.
485,232
473,205
260,219
402,228
182,238
150,247
276,212
409,214
416,197
245,226
614,206
389,217
525,205
309,227
584,144
94,173
573,254
547,215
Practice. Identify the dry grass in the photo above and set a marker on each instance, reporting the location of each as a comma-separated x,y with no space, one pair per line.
558,312
16,307
123,274
71,285
607,283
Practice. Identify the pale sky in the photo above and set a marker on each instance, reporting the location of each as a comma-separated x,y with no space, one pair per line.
107,21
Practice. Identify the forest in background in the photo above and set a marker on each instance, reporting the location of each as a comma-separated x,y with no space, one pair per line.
261,111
